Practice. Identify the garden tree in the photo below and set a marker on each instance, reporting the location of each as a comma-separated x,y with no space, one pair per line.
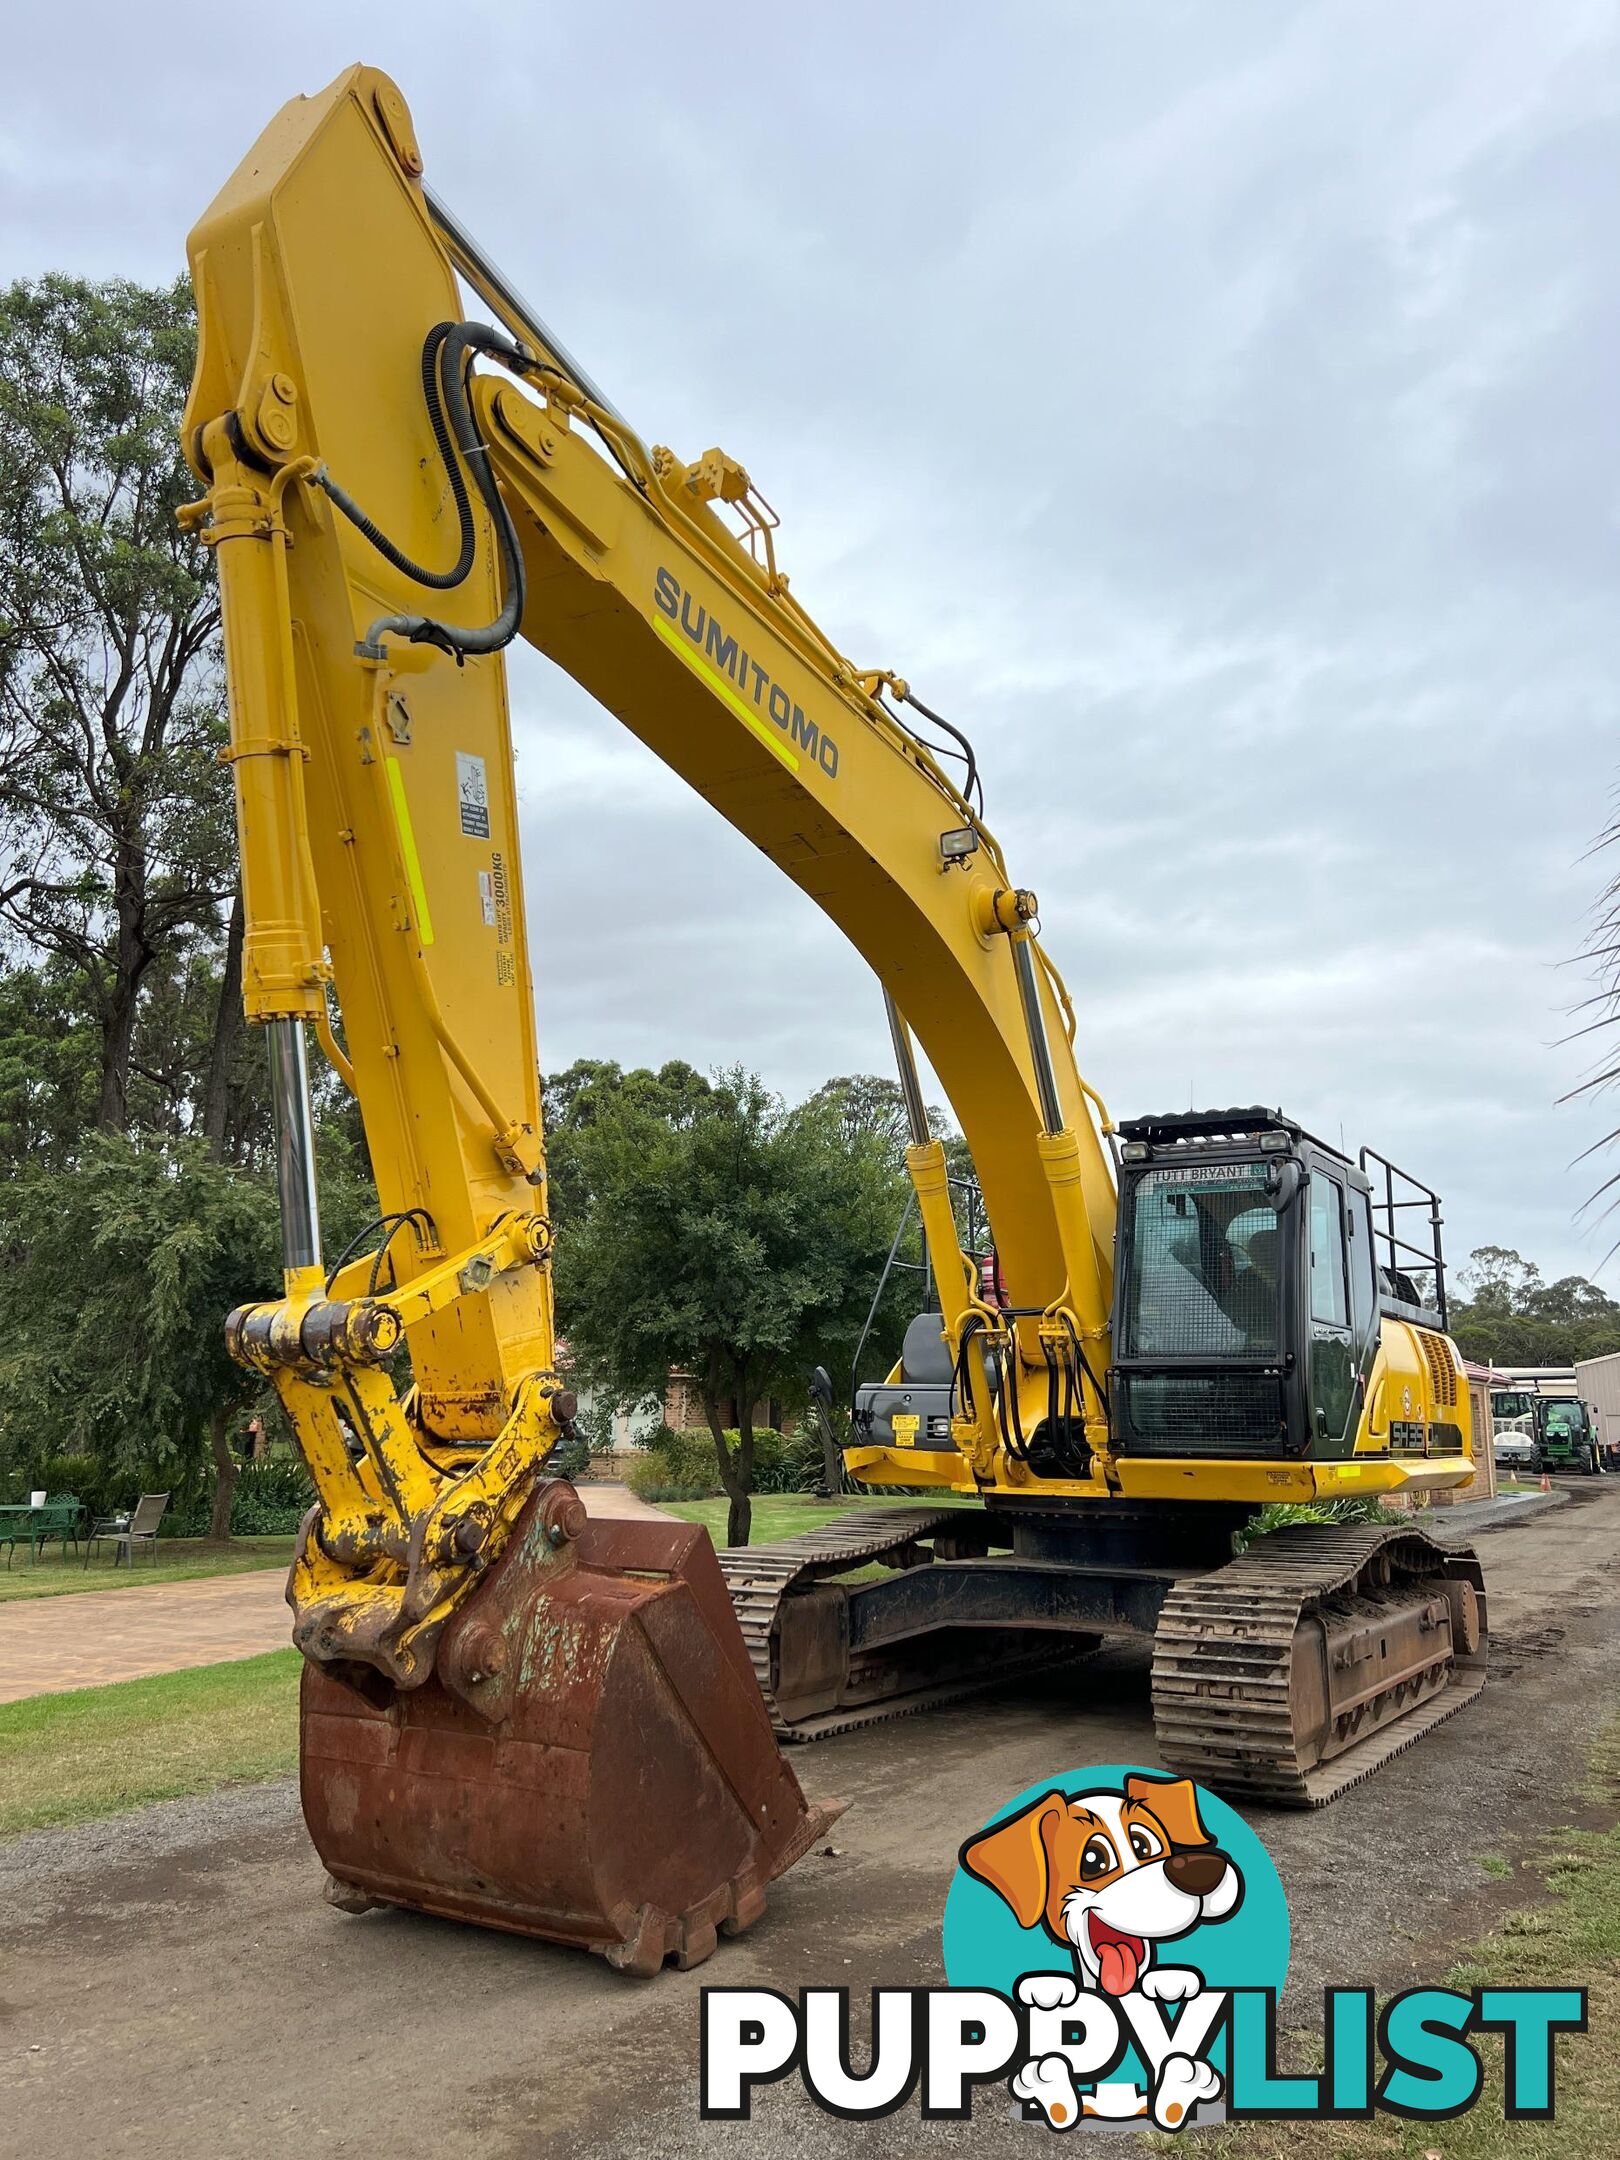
50,1061
1496,1279
1509,1316
118,1274
121,1271
48,1064
114,815
738,1240
224,1087
192,1070
871,1106
578,1099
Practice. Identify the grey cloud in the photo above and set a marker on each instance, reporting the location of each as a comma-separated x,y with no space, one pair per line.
1210,407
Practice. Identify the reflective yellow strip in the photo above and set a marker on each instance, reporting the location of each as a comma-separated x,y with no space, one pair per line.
700,667
407,844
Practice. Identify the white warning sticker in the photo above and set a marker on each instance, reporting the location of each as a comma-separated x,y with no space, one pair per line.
472,792
486,897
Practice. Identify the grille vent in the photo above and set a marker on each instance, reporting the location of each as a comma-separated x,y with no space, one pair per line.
1230,1415
1442,1367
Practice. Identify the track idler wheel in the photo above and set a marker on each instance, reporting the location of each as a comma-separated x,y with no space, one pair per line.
591,1761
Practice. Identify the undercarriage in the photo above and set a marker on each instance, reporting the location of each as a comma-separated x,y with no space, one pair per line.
1283,1674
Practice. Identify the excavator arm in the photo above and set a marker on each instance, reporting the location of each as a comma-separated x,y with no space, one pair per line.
393,494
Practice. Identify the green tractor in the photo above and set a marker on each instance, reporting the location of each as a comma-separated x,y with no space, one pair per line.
1566,1435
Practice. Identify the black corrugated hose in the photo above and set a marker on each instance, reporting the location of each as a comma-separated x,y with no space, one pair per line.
445,354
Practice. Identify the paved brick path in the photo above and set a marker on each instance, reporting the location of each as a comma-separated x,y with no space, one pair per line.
91,1637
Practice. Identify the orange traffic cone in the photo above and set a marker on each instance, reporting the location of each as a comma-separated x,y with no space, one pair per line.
1546,1482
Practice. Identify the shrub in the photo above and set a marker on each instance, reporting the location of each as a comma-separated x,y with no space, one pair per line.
85,1476
672,1466
271,1499
783,1463
1349,1508
801,1464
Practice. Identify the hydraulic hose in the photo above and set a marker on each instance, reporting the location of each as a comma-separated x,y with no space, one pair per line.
972,786
445,356
438,580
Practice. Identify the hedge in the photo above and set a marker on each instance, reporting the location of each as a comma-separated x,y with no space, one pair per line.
271,1500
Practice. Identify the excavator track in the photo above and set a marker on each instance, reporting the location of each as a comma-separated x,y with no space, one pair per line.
1266,1676
759,1577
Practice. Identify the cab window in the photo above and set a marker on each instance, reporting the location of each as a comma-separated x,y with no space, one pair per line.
1363,1289
1204,1265
1328,1299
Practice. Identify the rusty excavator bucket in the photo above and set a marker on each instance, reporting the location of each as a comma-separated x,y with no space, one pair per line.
590,1761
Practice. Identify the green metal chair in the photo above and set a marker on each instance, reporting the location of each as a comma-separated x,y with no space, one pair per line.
58,1518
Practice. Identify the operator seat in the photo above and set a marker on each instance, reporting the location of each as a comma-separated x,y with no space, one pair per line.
925,1356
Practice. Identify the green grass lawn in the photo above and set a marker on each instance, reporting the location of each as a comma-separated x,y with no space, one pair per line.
779,1515
178,1560
96,1751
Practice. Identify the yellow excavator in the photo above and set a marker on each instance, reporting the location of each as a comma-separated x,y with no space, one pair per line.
515,1712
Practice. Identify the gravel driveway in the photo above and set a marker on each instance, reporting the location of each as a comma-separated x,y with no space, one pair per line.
182,1958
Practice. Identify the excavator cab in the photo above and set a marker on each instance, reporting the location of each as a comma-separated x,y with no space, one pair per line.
1255,1266
1248,1305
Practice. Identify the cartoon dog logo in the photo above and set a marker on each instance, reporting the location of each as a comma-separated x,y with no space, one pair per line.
1110,1876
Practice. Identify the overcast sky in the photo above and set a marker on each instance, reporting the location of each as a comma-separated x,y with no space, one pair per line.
1211,407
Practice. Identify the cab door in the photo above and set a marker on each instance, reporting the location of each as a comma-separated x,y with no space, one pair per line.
1332,1362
